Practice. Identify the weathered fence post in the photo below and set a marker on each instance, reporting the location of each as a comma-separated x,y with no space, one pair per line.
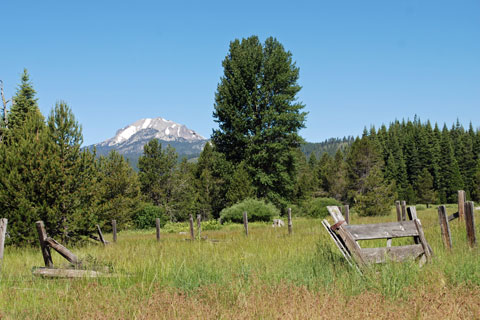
199,226
245,222
192,234
290,221
346,208
399,211
470,222
461,204
42,236
157,225
444,227
100,235
114,230
404,210
3,231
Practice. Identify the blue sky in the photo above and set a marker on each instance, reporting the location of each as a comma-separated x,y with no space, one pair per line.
361,63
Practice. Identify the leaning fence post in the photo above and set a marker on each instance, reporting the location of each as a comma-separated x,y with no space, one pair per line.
290,221
42,236
346,208
199,226
245,222
192,235
444,227
114,230
157,225
3,231
470,223
100,235
404,210
399,211
461,204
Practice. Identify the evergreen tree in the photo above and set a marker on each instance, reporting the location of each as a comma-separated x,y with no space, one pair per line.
322,172
450,180
375,197
337,178
211,181
180,202
425,192
23,157
24,102
71,175
240,186
258,115
476,188
156,167
118,190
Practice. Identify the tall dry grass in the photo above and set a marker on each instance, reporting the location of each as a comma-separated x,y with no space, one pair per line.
268,275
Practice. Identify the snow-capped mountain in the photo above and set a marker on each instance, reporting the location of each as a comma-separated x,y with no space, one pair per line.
153,128
130,140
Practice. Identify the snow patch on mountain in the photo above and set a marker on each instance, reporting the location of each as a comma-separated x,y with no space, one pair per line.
146,129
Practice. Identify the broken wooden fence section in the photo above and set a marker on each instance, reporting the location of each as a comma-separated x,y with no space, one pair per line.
46,243
100,235
346,238
467,213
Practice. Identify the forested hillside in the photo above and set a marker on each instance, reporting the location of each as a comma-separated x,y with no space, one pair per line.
407,160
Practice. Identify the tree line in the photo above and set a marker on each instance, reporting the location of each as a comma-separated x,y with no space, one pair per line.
408,160
256,152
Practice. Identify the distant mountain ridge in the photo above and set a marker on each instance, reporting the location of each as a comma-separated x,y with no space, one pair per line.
129,141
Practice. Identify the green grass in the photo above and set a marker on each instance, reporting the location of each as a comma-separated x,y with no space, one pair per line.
235,265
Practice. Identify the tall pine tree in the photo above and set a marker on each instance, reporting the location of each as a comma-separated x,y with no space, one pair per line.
258,115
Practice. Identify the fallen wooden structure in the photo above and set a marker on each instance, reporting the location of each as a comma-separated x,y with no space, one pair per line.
47,243
346,238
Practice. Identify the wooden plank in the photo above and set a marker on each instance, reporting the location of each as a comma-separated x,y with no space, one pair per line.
114,230
340,245
444,227
389,242
351,244
290,226
199,226
67,273
245,222
64,252
157,226
412,213
423,240
42,235
398,253
3,231
100,235
461,204
404,210
470,223
335,213
382,230
346,210
453,216
192,233
399,210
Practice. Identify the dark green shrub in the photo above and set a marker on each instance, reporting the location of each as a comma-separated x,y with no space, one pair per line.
317,208
257,210
144,217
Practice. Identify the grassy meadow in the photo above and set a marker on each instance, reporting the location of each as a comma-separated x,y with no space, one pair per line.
268,275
